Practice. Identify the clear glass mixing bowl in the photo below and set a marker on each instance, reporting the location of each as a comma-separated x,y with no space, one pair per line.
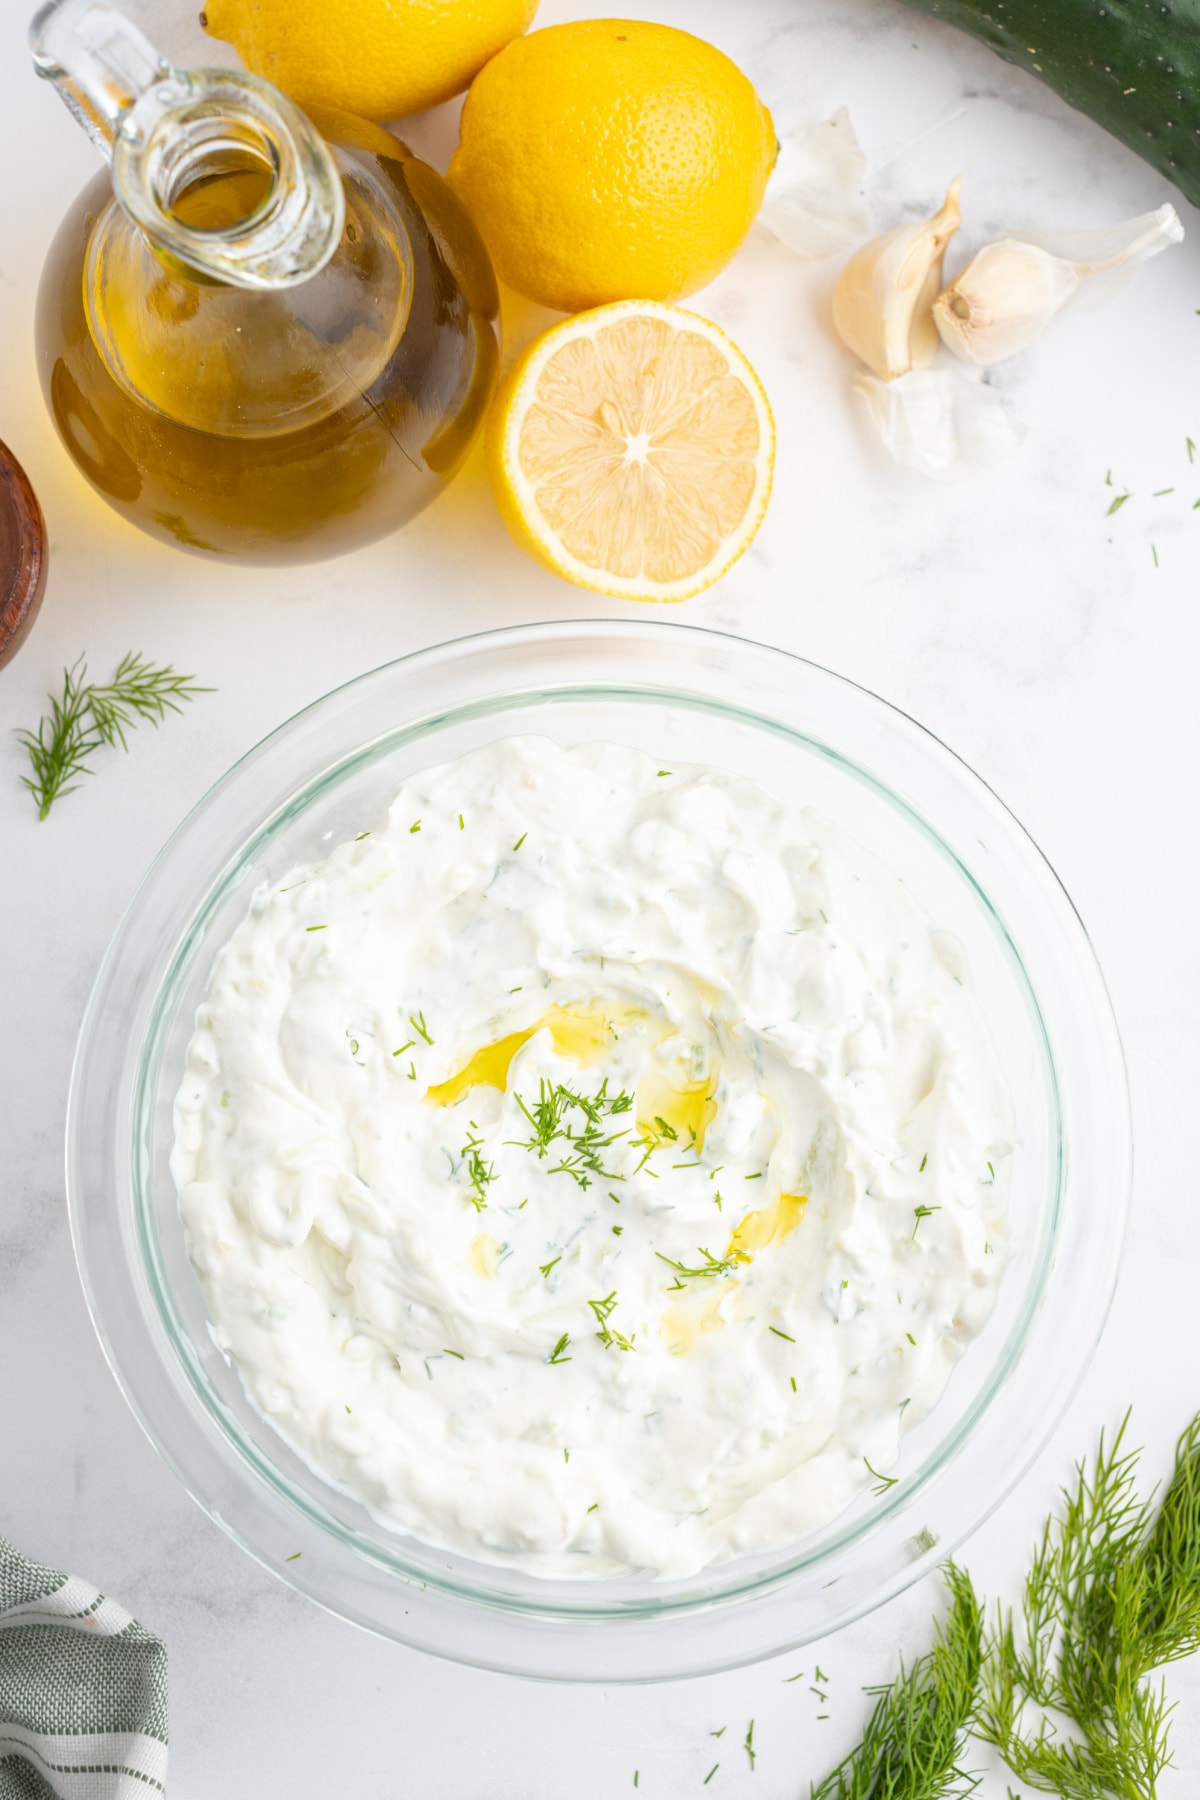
682,695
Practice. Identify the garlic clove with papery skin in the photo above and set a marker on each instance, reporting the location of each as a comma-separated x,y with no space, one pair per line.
883,300
943,423
1008,293
1004,298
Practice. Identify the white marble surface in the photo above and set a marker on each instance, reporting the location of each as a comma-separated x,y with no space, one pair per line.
1032,633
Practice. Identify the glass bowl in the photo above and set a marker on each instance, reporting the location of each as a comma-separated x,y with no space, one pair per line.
682,695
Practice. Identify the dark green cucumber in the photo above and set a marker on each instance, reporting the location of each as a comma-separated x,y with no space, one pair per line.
1132,65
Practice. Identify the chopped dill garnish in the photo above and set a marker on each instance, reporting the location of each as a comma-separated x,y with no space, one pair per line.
1118,502
316,928
912,1340
919,1213
404,1047
792,1379
479,1173
665,1130
820,1675
550,1117
546,1267
566,1455
924,1160
361,836
594,1507
415,826
608,1337
1154,554
885,1481
710,1774
712,1265
417,1021
748,1746
1191,449
412,1071
782,1334
757,1176
92,716
720,1733
663,772
292,1557
520,841
788,1679
556,1355
461,825
1159,492
446,1351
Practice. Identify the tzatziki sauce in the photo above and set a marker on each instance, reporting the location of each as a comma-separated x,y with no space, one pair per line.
594,1166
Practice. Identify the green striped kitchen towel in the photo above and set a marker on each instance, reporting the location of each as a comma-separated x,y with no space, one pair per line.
83,1691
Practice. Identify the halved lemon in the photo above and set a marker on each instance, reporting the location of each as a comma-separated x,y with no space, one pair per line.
631,451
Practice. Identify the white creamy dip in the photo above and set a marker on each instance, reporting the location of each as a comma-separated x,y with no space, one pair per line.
595,1166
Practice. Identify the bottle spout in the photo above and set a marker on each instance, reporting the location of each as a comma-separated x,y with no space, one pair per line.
165,130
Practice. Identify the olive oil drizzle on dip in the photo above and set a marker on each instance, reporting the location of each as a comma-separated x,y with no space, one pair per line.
593,1167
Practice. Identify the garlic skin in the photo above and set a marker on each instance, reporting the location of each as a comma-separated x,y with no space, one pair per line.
941,422
1011,291
883,300
814,202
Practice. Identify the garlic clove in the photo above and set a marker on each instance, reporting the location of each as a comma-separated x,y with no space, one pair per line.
814,202
941,422
1004,298
883,300
1013,289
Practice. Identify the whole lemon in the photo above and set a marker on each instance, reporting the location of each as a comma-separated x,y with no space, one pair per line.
380,59
611,160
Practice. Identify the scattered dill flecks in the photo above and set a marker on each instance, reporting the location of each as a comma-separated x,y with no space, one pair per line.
919,1213
595,1506
924,1160
417,1021
781,1334
1117,503
293,1556
1154,554
720,1733
566,1455
556,1355
665,1130
361,836
914,1740
912,1340
415,826
710,1774
788,1679
461,825
792,1379
520,840
1191,449
545,1268
663,772
748,1746
404,1047
820,1674
885,1481
617,1230
91,716
757,1176
1159,492
316,928
446,1351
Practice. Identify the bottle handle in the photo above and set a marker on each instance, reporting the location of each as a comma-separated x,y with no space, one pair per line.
98,60
162,128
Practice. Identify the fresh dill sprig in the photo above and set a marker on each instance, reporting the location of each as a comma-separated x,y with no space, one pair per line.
913,1745
919,1213
1061,1688
556,1355
91,716
1112,1595
884,1481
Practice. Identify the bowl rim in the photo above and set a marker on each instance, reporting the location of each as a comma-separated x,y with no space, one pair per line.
512,1650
